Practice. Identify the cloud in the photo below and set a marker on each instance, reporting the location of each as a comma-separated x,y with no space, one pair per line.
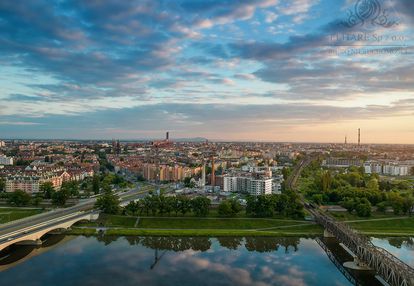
66,60
202,119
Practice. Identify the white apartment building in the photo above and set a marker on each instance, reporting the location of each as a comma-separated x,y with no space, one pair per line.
2,144
390,168
395,170
245,184
4,160
230,184
260,187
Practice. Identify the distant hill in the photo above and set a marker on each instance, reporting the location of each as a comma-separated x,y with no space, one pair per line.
194,139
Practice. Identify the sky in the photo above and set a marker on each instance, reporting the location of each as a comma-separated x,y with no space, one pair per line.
241,70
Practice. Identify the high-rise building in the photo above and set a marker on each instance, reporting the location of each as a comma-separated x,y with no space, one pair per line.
246,184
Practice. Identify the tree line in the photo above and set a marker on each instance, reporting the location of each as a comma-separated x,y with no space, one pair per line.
166,205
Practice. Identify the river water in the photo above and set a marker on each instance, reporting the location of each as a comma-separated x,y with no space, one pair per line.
79,260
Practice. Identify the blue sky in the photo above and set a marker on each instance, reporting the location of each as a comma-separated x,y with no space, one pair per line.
232,70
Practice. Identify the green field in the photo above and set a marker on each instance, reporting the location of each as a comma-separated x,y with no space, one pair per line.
397,227
214,223
310,230
10,214
379,225
346,216
190,226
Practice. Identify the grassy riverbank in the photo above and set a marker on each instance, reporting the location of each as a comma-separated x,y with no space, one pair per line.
10,214
191,226
213,226
385,227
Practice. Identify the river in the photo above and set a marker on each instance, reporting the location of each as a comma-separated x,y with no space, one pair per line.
108,260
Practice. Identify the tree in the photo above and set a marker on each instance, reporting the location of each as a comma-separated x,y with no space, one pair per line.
108,203
286,172
154,199
200,206
373,185
229,208
188,183
146,204
162,204
185,204
326,181
317,198
59,198
408,204
175,203
224,209
363,208
349,204
132,208
2,185
170,204
19,198
396,201
36,200
47,189
236,207
382,207
71,187
96,184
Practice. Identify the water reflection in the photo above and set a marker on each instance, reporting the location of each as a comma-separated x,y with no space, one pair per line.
259,244
112,260
402,247
15,254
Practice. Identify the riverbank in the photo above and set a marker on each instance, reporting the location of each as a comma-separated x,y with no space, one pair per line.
210,226
191,226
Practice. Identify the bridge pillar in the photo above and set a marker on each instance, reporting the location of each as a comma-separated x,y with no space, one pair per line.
327,234
357,265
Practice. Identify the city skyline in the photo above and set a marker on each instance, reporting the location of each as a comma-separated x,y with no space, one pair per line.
259,70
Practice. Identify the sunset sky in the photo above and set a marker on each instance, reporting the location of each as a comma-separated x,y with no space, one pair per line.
255,70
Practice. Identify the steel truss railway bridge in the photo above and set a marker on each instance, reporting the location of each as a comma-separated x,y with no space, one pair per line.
391,269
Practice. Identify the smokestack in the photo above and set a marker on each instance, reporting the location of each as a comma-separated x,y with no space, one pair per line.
345,140
359,136
213,175
167,136
203,175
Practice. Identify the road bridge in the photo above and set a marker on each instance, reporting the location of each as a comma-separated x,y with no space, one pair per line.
391,269
29,230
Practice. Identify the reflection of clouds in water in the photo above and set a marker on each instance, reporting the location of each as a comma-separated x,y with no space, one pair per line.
237,276
89,262
404,253
77,246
